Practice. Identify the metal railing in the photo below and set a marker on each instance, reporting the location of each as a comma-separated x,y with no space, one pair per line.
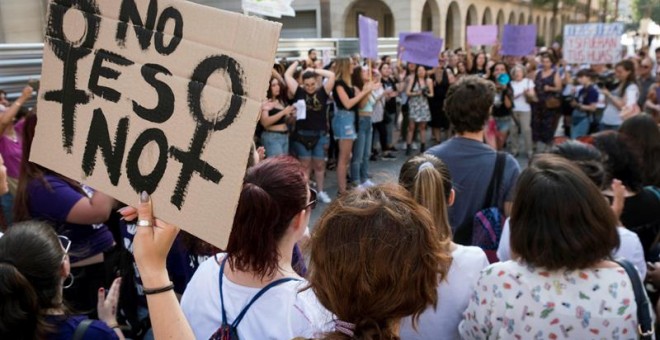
20,63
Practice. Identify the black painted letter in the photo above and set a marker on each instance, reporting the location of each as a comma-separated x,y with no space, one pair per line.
98,70
174,14
165,108
128,13
148,182
99,138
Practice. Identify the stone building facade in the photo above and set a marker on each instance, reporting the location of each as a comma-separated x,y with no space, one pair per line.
22,21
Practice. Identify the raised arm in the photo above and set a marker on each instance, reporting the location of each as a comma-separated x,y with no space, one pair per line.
151,246
330,79
7,118
349,103
291,82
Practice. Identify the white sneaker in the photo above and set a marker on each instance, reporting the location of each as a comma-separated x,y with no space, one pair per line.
415,146
323,197
367,184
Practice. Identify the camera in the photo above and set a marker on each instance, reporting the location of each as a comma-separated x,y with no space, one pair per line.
606,81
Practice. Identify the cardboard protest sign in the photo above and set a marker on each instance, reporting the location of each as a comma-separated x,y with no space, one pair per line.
159,96
482,35
368,31
422,49
596,43
518,40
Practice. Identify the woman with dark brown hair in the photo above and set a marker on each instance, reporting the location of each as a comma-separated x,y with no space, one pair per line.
562,280
375,260
34,266
75,211
272,215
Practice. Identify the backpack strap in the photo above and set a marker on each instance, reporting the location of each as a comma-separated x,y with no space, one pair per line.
654,190
252,301
82,329
495,181
644,319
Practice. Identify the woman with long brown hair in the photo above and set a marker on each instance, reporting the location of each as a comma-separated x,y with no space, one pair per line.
623,97
347,99
75,211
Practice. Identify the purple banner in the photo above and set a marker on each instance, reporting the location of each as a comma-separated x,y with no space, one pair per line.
421,48
482,35
368,31
518,40
402,37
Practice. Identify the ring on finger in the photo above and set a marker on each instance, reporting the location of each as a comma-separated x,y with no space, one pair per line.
144,223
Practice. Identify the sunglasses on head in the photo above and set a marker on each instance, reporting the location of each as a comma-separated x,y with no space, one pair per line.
312,199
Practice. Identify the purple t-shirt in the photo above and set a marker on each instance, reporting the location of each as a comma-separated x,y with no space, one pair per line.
66,326
54,204
12,150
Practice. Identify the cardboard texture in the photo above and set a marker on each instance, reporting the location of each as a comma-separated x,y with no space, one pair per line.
596,43
368,31
166,104
482,35
518,40
422,49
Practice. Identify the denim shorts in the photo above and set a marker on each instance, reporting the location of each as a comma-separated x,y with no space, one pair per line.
503,123
343,125
318,152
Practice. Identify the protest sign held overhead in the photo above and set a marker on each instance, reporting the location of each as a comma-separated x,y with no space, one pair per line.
138,95
482,35
368,31
421,48
596,43
518,40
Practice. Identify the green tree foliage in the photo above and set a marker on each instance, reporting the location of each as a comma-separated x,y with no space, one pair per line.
645,9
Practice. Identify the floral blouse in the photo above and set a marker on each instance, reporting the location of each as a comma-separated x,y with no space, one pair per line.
515,301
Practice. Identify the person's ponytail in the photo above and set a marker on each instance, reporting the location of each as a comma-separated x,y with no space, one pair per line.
19,303
429,191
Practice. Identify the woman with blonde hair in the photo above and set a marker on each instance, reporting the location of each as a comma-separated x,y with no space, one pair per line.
427,178
347,99
374,276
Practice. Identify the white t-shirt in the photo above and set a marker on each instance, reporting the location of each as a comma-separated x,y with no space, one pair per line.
453,297
630,248
519,101
281,313
611,115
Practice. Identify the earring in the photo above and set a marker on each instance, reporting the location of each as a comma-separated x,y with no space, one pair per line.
65,286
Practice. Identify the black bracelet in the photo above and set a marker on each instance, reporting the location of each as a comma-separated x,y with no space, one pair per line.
158,290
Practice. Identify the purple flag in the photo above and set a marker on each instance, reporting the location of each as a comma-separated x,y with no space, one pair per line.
368,31
518,40
421,48
482,35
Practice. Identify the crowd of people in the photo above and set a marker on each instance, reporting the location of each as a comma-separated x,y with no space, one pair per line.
469,242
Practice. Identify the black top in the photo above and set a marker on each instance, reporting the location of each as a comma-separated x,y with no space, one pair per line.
390,104
275,111
440,89
316,106
499,109
641,214
349,91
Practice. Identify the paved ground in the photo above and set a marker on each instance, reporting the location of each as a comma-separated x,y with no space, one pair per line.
382,171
